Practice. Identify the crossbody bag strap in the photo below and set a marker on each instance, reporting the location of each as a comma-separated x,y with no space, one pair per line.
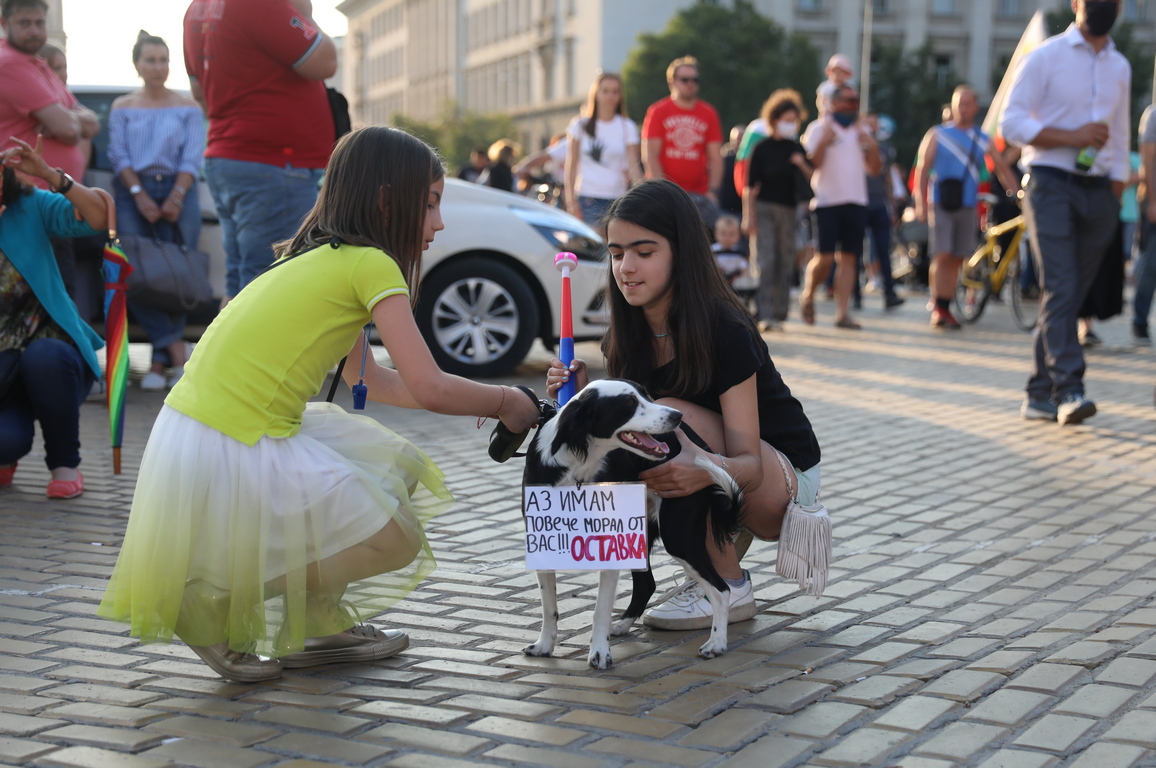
788,473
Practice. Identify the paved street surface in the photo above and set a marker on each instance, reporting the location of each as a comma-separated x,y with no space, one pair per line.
992,602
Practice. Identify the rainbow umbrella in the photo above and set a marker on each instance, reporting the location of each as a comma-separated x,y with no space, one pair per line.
116,271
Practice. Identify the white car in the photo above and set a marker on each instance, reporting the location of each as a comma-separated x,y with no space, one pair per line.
489,286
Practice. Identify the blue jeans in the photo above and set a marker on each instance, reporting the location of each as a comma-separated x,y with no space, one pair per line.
1145,277
163,328
258,205
52,383
879,227
593,209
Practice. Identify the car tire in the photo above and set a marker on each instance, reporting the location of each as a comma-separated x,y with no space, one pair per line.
478,316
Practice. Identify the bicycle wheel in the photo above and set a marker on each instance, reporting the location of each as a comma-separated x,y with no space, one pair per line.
1025,302
973,289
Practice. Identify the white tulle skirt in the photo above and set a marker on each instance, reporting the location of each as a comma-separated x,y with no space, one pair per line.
242,526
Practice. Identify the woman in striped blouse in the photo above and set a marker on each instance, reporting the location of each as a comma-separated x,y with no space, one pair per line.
155,144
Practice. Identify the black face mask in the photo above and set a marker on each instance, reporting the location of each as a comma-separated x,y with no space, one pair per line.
1099,16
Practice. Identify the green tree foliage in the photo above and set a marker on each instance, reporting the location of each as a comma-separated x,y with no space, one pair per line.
909,87
742,56
456,134
1124,36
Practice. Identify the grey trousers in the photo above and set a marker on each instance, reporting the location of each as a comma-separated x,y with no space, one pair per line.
774,246
1071,226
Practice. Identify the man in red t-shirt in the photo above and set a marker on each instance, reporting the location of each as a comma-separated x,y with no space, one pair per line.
681,136
256,67
33,100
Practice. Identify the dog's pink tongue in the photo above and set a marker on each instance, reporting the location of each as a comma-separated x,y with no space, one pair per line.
648,442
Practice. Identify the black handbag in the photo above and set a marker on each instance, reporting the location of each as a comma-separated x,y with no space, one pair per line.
950,196
9,370
169,276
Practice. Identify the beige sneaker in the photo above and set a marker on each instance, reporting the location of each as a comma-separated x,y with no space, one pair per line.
237,665
360,643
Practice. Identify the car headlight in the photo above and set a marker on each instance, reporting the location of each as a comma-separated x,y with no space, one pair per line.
564,233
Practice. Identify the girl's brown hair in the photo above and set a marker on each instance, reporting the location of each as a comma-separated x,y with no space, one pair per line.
698,293
590,110
375,194
779,103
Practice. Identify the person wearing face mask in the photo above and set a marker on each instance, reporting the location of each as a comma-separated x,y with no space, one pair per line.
1069,110
778,167
842,152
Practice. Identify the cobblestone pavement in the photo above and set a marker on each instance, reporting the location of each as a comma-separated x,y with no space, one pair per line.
993,600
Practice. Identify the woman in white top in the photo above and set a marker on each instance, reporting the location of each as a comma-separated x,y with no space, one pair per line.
603,157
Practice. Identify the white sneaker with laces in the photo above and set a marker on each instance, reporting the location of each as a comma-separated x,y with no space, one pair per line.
688,608
153,382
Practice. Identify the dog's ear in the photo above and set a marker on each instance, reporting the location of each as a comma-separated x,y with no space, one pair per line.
573,426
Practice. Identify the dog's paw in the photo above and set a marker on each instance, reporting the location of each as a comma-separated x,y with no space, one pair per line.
621,627
713,647
600,659
539,649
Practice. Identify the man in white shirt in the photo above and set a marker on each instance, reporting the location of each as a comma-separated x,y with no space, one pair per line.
842,151
1068,109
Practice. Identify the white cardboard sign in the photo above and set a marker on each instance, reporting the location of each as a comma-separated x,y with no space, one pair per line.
598,526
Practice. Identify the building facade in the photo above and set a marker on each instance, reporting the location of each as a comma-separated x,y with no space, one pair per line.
534,59
56,34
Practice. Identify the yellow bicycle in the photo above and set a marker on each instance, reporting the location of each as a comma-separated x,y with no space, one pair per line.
989,269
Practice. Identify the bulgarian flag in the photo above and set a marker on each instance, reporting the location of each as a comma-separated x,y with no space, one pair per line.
756,131
1035,34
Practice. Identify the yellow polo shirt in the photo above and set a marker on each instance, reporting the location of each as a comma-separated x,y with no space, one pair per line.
270,349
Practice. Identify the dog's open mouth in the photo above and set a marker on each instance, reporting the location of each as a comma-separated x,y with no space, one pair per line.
644,443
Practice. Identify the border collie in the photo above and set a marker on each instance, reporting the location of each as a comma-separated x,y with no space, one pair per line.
610,432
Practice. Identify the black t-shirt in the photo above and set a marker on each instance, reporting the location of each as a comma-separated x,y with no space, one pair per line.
740,352
771,167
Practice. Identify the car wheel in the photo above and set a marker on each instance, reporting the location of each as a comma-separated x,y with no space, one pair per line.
479,317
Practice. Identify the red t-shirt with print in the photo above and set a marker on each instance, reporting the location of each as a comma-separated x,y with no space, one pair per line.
684,134
243,53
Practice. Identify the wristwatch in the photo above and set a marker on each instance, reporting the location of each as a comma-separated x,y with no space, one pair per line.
135,190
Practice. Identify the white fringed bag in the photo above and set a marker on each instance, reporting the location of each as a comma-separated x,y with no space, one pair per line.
805,542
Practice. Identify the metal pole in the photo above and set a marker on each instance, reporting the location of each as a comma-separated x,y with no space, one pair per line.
865,63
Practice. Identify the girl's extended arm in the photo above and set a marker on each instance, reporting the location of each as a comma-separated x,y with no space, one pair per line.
418,382
742,452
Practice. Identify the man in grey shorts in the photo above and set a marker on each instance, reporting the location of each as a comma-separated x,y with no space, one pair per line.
956,153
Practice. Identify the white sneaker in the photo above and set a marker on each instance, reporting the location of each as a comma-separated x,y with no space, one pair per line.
153,382
176,375
688,608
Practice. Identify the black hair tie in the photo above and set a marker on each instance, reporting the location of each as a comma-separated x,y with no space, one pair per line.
335,242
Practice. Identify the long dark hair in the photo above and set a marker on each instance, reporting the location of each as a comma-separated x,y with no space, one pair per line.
12,188
698,293
591,108
372,167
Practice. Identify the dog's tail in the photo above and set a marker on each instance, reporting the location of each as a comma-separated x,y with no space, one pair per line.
727,504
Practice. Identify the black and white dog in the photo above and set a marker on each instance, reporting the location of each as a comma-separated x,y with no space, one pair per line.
610,432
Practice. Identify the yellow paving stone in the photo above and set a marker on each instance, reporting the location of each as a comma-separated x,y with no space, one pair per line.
727,664
626,703
915,713
312,720
864,746
23,725
1098,701
26,705
695,705
539,756
1136,673
959,741
1002,662
778,642
120,739
209,707
729,730
773,751
1018,758
394,710
1008,707
790,696
1104,755
1138,728
20,751
416,737
22,684
505,727
423,761
822,720
107,714
1046,678
575,681
203,754
638,726
327,748
441,685
1055,733
885,653
190,727
963,684
91,757
877,691
656,753
523,710
306,700
126,678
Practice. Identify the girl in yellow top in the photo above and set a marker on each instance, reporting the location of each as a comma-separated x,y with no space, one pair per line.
248,493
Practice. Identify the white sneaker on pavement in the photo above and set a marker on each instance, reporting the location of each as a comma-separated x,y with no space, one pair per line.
688,608
153,382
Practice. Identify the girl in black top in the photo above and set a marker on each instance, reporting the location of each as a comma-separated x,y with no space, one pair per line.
678,329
